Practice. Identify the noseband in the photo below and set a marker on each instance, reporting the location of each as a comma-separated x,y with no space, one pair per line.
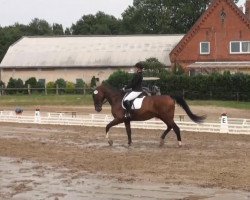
99,105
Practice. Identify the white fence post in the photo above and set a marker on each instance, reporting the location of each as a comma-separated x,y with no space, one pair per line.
224,123
37,116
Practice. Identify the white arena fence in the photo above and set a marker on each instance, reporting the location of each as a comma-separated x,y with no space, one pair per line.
232,125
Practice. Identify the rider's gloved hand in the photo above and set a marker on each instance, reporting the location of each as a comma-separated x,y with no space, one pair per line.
123,89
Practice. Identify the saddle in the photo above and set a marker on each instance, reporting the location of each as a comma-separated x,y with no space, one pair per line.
135,103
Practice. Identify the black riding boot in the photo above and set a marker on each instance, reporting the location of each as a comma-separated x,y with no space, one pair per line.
127,105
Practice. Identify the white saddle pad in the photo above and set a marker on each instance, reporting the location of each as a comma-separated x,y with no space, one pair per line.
136,103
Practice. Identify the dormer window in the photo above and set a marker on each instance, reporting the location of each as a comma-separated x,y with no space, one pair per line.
204,48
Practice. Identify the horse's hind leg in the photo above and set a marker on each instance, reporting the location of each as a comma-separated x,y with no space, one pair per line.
164,135
178,133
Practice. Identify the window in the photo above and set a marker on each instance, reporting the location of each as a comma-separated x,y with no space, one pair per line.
235,47
42,81
245,47
239,47
205,48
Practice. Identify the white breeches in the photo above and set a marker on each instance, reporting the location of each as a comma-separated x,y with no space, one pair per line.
132,95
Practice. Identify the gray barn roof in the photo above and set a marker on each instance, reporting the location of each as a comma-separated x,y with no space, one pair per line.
88,51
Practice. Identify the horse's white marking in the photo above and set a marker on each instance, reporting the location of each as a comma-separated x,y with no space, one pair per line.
96,92
107,135
179,143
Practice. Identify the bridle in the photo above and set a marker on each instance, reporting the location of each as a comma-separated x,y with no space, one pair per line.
104,101
99,105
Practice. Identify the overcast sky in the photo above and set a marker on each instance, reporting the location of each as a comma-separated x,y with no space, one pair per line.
64,12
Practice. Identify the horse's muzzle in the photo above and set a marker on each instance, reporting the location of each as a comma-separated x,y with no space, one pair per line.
98,108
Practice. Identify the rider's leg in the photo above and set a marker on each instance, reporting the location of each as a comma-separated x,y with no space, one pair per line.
127,105
127,102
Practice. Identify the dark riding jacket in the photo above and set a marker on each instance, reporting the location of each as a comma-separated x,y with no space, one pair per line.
136,82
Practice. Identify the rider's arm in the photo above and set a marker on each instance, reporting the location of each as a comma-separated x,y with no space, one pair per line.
133,82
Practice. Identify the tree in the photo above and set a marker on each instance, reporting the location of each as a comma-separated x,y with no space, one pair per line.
40,27
153,67
67,31
98,24
119,79
162,16
57,29
146,16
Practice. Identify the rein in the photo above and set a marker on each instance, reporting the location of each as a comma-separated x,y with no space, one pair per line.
105,101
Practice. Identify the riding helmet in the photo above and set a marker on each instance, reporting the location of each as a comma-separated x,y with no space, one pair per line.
139,65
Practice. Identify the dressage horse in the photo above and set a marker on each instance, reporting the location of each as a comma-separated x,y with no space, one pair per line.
161,107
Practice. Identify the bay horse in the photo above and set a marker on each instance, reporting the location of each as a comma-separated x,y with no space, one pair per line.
162,107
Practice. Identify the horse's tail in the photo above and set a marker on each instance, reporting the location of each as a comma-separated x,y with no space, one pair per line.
180,101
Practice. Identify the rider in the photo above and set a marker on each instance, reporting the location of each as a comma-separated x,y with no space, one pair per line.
136,86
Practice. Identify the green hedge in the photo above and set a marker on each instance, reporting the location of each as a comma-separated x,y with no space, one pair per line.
210,87
214,86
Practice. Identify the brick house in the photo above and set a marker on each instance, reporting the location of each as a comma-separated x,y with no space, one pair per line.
218,41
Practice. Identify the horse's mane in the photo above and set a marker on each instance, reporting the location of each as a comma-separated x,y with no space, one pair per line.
110,87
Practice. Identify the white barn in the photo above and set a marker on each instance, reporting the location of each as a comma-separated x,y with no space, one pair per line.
82,57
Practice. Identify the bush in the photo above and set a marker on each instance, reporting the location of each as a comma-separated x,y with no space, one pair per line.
80,85
61,83
119,79
32,82
51,87
15,86
214,86
70,87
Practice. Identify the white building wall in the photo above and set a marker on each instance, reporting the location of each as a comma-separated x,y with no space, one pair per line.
67,74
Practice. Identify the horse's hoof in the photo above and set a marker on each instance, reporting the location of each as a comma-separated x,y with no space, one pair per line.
110,142
179,144
161,143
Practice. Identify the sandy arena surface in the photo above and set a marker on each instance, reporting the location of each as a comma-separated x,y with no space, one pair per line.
73,162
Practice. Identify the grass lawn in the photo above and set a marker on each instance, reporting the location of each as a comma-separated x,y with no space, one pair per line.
50,100
81,100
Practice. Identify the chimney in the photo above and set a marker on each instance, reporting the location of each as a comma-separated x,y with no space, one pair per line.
247,12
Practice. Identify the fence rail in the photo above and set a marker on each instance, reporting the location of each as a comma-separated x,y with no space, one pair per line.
235,125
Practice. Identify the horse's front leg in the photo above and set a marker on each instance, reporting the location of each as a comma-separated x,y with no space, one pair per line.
128,130
112,123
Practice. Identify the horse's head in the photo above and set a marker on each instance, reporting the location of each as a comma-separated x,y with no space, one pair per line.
98,97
